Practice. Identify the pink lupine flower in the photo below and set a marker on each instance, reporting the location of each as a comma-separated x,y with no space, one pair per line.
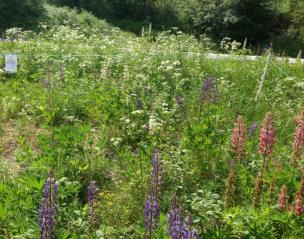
298,143
267,136
283,198
298,207
238,137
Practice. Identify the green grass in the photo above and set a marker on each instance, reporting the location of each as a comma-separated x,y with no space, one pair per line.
93,105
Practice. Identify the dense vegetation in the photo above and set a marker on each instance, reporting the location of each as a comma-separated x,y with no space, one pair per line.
108,135
260,21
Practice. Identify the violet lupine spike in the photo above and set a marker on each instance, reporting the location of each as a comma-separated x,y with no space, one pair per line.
209,90
50,190
189,233
253,128
176,222
47,210
156,174
46,220
92,194
152,206
151,214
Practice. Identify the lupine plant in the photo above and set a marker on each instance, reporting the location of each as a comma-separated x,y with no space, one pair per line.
114,96
209,90
93,195
177,226
238,139
47,210
298,144
152,201
266,142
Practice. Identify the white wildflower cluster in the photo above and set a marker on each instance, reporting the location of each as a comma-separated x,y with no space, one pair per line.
116,141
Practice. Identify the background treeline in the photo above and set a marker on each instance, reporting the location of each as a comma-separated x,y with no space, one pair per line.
281,21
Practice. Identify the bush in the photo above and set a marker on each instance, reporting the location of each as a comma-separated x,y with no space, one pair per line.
66,16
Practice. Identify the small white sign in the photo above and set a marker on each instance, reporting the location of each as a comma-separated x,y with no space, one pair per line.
10,63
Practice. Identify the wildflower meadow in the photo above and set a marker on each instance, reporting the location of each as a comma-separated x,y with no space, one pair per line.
104,134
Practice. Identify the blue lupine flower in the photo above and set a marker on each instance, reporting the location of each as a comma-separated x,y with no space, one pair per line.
157,173
47,210
151,213
93,194
253,128
176,222
209,90
189,233
152,205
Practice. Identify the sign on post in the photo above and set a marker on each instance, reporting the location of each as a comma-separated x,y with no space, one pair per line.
10,63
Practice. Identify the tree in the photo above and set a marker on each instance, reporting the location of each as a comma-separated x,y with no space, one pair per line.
237,19
20,13
256,20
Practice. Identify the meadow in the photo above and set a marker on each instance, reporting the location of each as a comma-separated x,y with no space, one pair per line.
104,134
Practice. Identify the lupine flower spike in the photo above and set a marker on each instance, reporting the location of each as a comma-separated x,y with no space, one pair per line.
189,232
267,137
298,204
272,190
283,198
152,205
230,189
209,90
298,144
47,210
157,173
300,191
258,189
151,214
93,194
176,221
238,138
298,207
253,128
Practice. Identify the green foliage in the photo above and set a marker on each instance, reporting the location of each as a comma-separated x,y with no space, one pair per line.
67,16
238,19
24,13
129,15
93,105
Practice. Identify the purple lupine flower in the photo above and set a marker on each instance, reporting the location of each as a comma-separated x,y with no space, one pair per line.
253,128
92,194
50,190
152,206
176,222
156,174
47,210
189,233
209,90
46,222
151,213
